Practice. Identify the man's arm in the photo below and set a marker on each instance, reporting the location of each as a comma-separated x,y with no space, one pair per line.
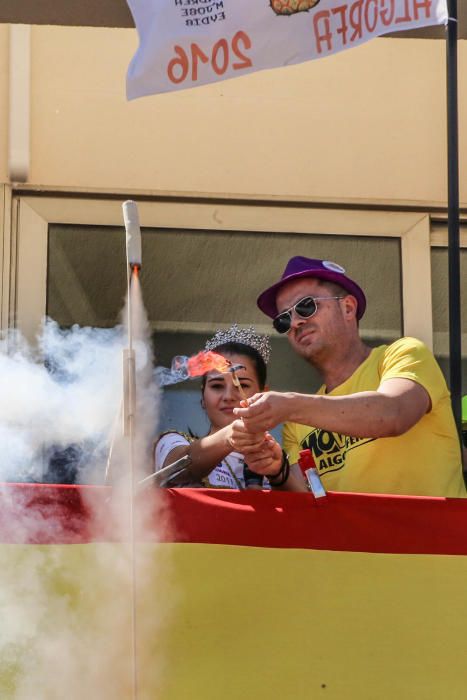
396,406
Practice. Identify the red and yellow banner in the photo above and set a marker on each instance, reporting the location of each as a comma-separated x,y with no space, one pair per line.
237,595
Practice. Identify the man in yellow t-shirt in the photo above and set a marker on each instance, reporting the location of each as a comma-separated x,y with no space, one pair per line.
382,420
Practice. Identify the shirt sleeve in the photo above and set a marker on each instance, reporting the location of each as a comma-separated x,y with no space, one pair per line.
165,445
409,358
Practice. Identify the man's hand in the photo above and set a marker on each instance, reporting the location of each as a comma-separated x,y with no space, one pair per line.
262,453
264,411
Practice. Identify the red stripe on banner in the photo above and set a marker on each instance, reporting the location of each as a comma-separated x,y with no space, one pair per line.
52,514
343,522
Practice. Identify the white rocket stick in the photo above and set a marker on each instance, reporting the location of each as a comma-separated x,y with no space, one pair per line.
133,254
134,260
133,233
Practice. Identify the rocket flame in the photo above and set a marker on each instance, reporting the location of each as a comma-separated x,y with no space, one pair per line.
207,361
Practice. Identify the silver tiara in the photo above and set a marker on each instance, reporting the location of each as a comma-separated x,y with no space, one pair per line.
247,336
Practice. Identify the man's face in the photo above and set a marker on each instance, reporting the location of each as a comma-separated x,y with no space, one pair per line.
313,338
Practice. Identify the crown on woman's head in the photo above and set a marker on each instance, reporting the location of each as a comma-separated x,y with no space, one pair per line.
246,336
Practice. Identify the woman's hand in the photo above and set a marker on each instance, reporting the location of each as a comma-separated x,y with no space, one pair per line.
262,452
242,439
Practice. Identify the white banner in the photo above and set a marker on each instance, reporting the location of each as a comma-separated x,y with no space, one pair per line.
186,43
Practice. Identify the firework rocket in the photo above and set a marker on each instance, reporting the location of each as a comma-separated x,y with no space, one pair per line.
133,234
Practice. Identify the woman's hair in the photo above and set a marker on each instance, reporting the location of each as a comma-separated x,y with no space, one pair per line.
248,351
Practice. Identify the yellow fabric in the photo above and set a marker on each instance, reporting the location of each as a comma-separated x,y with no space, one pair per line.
232,623
66,631
425,461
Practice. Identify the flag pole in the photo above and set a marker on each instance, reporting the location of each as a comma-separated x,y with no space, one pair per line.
455,353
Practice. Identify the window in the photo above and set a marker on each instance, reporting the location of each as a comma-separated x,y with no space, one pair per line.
204,265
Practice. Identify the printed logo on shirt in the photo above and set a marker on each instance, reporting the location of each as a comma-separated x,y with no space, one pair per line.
330,449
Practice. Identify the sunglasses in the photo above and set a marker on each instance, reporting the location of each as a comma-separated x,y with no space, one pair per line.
305,308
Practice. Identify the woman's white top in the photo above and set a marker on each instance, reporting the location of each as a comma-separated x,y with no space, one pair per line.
228,474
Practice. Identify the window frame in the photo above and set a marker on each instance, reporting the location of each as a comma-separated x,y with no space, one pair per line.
24,254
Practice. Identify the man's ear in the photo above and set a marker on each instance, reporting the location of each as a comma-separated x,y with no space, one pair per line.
350,306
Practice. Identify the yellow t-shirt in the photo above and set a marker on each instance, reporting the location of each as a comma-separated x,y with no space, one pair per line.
424,461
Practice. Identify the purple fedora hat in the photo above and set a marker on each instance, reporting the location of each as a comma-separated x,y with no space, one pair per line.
298,267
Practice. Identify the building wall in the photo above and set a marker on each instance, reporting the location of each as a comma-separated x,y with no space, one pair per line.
4,65
367,124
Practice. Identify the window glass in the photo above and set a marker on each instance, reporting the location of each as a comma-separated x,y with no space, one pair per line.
198,278
194,281
440,287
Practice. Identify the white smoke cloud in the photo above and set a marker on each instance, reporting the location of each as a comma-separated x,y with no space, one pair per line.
64,402
66,609
66,395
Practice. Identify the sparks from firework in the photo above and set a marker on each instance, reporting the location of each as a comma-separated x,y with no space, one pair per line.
207,361
183,368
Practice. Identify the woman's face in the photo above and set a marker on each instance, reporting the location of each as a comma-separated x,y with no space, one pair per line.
221,396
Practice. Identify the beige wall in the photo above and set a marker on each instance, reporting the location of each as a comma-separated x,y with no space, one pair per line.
4,46
366,124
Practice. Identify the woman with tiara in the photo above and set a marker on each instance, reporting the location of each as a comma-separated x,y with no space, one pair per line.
213,462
